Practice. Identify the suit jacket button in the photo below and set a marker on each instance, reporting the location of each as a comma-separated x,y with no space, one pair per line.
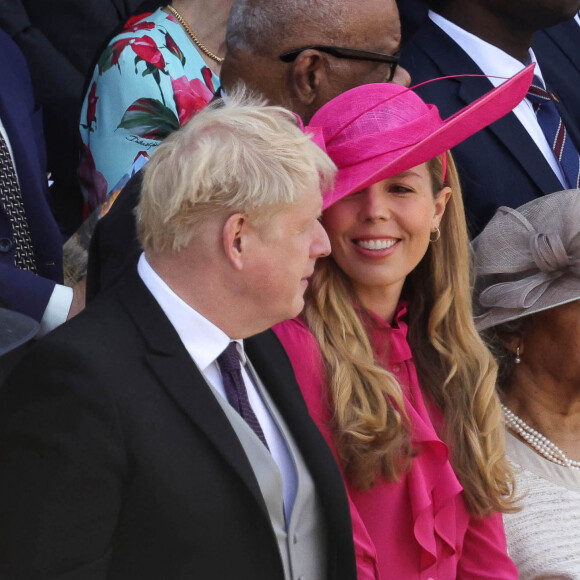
6,244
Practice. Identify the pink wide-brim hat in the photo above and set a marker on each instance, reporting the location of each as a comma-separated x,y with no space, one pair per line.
375,131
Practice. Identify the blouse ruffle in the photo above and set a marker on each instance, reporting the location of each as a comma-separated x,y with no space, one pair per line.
434,489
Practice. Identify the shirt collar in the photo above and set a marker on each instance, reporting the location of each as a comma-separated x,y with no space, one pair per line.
391,338
489,58
203,340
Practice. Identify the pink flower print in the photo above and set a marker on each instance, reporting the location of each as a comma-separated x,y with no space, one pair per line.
92,105
146,49
117,48
207,77
173,48
190,97
132,23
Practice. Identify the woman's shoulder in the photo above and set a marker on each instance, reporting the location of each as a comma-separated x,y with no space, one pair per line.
295,336
304,354
301,347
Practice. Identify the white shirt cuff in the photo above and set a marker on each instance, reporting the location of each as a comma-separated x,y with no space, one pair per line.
57,309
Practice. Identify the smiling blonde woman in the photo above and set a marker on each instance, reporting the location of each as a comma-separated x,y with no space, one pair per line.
386,353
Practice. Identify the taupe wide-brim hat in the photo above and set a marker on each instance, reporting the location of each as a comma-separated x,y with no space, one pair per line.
15,329
528,259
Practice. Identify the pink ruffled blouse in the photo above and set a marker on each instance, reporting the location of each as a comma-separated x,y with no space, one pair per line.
418,527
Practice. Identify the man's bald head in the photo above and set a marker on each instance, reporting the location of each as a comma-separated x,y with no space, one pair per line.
259,31
257,25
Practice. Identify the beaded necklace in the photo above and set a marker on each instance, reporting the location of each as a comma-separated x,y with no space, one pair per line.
537,441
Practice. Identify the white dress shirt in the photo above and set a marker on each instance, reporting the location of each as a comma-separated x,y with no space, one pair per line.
204,342
494,62
58,306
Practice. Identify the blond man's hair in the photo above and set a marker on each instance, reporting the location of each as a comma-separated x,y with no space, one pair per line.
234,157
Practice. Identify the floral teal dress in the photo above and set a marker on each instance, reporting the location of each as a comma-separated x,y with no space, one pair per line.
148,82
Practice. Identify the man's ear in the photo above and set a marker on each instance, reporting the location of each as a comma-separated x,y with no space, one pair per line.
308,71
234,234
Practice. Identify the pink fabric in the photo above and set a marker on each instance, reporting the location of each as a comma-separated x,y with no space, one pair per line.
418,527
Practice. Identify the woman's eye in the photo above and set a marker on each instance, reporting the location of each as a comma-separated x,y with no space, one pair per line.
400,189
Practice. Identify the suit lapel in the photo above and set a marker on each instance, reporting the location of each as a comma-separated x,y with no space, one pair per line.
274,368
180,377
567,37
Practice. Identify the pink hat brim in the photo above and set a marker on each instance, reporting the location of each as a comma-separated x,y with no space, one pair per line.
472,118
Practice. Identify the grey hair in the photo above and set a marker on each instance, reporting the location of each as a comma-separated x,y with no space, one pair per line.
257,25
241,156
495,338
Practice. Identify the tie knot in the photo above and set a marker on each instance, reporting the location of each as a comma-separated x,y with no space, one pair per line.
537,92
229,360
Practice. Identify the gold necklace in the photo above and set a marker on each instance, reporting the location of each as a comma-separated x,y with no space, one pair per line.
193,37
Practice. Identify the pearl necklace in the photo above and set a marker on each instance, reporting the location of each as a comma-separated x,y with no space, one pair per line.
537,441
193,36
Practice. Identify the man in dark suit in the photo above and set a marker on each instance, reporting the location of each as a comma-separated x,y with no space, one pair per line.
258,32
61,41
30,242
149,437
510,162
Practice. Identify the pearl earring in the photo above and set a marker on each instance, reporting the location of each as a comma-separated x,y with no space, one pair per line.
517,358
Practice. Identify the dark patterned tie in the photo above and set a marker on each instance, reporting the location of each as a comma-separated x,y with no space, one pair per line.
229,363
11,201
551,124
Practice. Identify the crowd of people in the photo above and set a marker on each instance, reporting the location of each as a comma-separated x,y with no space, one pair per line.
326,302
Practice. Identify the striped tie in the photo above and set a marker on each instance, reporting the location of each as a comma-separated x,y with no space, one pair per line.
555,131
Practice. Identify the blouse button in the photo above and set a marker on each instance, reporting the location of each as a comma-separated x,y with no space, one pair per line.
397,368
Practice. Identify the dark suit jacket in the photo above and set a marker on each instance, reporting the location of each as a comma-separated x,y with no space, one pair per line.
500,165
558,52
61,41
118,462
19,290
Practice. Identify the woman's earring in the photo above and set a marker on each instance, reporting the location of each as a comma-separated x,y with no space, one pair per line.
437,233
517,358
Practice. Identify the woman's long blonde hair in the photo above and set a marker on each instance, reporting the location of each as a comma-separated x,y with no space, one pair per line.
453,365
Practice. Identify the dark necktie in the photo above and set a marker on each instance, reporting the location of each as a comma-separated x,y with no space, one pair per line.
555,131
229,363
11,201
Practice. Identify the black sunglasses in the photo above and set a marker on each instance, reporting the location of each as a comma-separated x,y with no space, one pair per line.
343,52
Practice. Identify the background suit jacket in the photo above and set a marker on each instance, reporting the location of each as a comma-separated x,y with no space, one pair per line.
558,52
499,165
19,290
62,40
118,462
